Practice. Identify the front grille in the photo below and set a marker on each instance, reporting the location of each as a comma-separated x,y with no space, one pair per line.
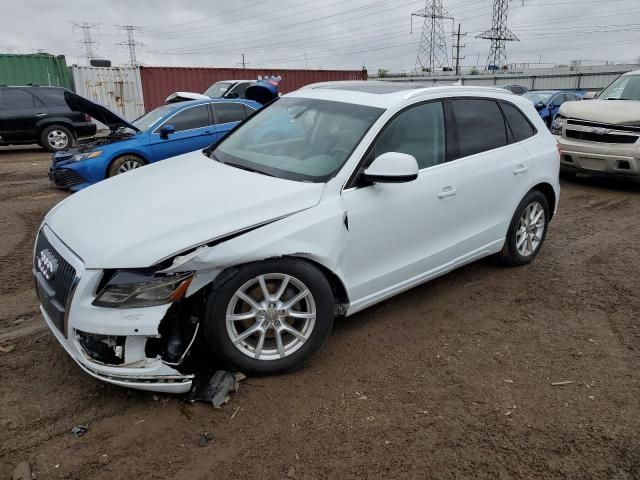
67,178
53,293
601,138
601,132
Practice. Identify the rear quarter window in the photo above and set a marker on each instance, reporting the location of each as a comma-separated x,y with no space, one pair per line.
520,126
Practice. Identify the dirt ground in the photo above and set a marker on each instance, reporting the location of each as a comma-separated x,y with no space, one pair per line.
450,380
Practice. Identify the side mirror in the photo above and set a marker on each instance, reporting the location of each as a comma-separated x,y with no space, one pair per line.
167,130
392,167
589,96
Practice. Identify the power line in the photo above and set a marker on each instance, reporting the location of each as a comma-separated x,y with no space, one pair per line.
87,40
131,43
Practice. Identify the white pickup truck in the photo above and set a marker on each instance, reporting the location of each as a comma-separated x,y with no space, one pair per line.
602,136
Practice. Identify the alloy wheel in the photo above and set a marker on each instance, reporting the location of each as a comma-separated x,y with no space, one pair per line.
57,139
530,229
128,166
271,316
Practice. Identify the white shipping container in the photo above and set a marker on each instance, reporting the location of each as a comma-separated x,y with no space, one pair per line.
117,88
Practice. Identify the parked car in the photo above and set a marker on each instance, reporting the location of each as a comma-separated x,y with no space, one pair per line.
517,89
245,251
227,89
602,136
165,132
548,102
41,115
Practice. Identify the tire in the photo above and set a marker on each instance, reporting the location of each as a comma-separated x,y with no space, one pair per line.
124,164
273,356
512,254
55,138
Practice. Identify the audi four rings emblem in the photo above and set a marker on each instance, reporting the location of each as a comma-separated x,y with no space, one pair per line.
47,264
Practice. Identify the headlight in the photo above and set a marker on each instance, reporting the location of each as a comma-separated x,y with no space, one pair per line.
557,124
131,289
85,156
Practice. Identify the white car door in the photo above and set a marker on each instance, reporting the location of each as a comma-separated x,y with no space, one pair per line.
399,232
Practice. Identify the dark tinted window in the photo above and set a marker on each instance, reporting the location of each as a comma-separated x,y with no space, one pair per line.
239,90
418,131
15,98
194,117
52,96
519,124
229,112
480,126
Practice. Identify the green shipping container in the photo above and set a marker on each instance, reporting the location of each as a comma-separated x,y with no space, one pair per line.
38,68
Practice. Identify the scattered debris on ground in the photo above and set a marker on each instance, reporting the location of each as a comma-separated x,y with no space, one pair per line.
80,430
216,389
565,382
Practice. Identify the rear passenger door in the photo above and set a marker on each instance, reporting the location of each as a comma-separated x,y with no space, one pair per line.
491,171
194,131
228,114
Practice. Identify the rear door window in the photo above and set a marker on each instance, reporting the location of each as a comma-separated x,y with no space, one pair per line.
14,99
520,126
479,126
190,118
229,112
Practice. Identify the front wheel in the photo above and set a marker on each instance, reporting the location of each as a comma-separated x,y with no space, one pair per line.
124,164
270,316
527,231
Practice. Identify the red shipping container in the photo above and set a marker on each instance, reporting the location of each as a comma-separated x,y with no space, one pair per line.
159,82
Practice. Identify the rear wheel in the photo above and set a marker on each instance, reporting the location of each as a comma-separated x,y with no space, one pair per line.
270,316
125,164
527,231
56,137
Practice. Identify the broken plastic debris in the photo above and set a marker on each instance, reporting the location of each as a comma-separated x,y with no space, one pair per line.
80,430
216,389
204,439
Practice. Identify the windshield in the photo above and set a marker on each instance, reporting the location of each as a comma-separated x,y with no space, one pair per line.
218,89
298,138
148,120
538,97
624,88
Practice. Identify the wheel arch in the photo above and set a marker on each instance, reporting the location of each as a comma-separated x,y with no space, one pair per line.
124,154
547,190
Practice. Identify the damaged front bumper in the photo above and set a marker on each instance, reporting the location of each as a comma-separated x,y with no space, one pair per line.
79,326
154,375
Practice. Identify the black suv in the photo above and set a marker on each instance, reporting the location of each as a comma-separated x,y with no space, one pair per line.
40,115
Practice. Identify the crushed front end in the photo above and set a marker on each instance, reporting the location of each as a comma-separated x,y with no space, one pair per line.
144,348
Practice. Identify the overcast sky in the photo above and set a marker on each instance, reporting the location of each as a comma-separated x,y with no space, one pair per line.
317,33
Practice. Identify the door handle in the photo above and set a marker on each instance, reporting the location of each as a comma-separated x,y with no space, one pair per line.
520,169
208,132
447,192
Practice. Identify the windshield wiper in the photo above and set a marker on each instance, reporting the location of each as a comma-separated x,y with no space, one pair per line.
248,169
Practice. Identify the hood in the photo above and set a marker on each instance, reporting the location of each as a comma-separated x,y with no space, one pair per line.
136,219
614,112
100,113
185,96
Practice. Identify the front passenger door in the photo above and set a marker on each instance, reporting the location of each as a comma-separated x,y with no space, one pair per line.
194,131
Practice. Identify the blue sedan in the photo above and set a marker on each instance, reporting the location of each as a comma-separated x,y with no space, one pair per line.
165,132
548,102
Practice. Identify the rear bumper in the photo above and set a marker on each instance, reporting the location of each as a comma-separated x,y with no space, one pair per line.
599,158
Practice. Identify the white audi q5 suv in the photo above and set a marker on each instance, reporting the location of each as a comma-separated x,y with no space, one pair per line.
330,200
